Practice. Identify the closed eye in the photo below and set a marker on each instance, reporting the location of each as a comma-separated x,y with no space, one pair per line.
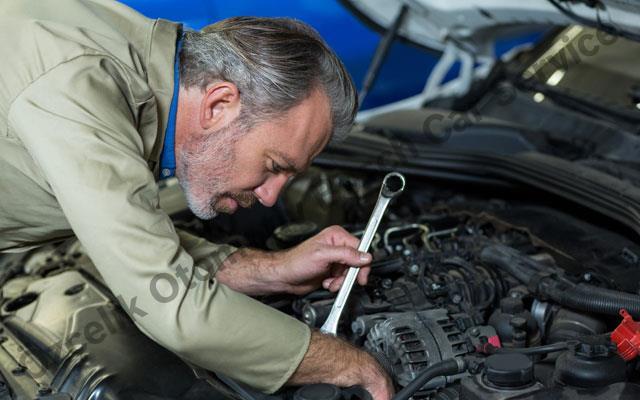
275,168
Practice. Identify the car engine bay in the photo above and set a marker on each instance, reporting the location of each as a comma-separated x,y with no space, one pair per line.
509,268
523,294
504,283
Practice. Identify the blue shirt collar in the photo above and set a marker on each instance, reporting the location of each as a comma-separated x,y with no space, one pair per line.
168,157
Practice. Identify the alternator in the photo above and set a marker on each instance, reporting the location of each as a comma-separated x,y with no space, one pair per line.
412,341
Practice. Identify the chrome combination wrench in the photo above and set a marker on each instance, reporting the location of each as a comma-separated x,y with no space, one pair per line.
392,186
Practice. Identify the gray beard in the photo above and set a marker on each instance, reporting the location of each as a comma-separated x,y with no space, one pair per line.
204,169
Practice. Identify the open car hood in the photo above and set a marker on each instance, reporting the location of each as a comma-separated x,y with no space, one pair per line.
476,24
464,33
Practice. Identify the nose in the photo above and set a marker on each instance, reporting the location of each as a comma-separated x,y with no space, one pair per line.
268,192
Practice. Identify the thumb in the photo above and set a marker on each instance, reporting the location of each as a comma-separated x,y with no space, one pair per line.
344,255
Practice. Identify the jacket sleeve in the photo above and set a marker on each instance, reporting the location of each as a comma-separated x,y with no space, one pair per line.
206,255
78,122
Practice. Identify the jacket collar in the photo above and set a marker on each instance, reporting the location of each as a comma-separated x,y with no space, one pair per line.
168,156
160,72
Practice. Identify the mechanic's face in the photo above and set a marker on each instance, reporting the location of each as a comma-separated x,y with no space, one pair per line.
222,167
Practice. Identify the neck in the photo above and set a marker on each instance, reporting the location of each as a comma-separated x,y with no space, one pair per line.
182,119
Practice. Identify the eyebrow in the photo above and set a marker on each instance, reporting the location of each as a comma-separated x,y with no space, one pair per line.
291,165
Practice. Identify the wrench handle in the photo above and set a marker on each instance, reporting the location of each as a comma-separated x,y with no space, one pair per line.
330,326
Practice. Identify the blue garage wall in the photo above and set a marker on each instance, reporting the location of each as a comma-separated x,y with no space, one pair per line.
402,75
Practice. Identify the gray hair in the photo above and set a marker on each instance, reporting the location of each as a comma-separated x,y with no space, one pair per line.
275,63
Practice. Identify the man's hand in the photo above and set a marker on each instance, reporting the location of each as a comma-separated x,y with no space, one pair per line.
322,260
331,360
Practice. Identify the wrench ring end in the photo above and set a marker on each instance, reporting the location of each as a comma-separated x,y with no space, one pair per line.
393,184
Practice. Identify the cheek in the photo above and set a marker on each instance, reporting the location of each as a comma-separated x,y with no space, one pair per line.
249,170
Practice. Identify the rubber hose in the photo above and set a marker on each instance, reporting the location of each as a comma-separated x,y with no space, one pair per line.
511,261
448,367
548,348
581,297
599,300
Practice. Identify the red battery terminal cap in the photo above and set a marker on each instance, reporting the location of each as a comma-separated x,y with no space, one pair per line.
627,337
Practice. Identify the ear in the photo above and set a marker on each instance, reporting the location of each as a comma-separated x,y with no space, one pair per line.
220,105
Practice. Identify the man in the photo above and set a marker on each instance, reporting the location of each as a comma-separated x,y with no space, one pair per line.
91,111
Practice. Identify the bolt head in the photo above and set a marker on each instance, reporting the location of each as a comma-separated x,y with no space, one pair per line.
414,269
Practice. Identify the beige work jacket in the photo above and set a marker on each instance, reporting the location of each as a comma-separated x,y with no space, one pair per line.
85,88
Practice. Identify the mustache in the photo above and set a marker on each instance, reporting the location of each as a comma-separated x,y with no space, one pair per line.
244,199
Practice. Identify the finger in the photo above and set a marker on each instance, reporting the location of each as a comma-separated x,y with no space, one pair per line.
343,255
336,284
327,283
363,275
338,236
